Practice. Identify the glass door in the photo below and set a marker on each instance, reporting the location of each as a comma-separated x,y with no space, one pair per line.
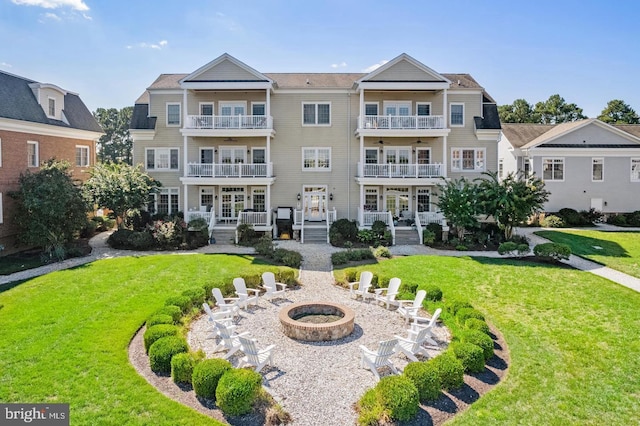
398,161
397,201
231,203
315,204
230,113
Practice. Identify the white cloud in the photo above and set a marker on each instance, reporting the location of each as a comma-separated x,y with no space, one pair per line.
52,16
54,4
87,17
5,65
375,66
157,46
340,65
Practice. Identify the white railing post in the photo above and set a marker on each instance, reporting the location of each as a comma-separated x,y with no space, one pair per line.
418,224
392,228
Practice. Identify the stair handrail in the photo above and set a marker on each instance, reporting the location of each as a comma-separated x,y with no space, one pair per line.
392,228
418,225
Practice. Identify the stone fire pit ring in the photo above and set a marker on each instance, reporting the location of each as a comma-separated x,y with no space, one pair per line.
317,332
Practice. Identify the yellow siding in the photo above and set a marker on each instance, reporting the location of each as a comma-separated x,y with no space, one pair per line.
404,71
226,70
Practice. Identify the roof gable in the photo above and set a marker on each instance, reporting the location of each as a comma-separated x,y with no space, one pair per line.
225,68
404,69
587,133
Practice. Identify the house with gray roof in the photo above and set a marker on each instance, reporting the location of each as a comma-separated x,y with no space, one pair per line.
585,164
39,121
235,145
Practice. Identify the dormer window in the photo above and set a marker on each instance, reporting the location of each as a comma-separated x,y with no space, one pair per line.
52,107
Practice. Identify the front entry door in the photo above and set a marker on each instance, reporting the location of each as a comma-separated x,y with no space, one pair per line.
314,206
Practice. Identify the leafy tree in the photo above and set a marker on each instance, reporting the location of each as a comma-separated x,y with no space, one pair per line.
520,111
511,200
458,203
50,208
116,144
617,111
119,187
556,110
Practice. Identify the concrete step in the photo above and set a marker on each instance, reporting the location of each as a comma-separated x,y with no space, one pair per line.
315,235
407,238
224,236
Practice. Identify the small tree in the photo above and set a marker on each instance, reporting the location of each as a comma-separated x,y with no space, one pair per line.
458,203
511,200
50,208
119,187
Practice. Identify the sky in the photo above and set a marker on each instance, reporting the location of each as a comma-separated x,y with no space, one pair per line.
109,51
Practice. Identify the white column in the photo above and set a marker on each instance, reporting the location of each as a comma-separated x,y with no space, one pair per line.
361,209
361,112
268,107
186,199
185,160
268,153
444,109
184,108
361,155
444,156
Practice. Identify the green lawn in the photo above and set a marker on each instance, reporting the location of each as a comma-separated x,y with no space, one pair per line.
64,336
574,338
619,250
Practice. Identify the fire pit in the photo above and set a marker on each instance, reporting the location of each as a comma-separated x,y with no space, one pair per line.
317,321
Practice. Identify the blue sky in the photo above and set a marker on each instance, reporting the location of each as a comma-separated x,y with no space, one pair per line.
109,51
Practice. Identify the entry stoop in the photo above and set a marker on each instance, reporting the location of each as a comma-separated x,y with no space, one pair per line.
407,237
315,235
224,235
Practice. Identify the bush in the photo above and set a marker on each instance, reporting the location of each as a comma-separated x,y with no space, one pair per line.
182,302
340,258
285,276
141,241
632,219
572,217
591,216
119,239
289,258
246,234
172,310
159,319
152,334
477,324
137,219
342,231
163,349
480,339
371,410
618,220
264,246
237,391
552,251
382,251
470,355
552,221
433,293
450,370
182,365
461,247
207,374
464,314
168,234
400,396
454,305
426,379
436,228
522,249
507,247
428,237
196,296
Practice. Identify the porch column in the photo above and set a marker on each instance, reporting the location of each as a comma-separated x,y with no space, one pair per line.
185,191
268,108
444,109
444,156
268,153
361,168
361,208
185,160
361,113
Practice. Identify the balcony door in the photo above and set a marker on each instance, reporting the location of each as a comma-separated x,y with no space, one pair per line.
230,158
397,159
423,159
315,203
232,201
397,111
230,112
397,200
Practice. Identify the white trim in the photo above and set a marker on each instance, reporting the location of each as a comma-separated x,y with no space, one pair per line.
213,153
49,99
582,152
233,149
37,154
397,59
476,159
593,160
259,103
47,130
314,91
451,111
402,85
88,149
553,161
232,104
167,105
1,208
169,191
315,149
397,104
364,108
155,169
222,58
631,160
316,103
466,92
47,86
217,85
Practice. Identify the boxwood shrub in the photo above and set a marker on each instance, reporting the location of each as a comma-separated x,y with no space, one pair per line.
552,251
157,332
163,349
159,319
477,324
450,370
433,293
237,391
172,310
470,355
426,379
454,305
286,276
464,314
183,302
182,367
400,396
196,295
508,247
478,338
370,408
207,374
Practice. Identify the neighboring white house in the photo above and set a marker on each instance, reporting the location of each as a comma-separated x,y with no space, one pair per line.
232,144
585,164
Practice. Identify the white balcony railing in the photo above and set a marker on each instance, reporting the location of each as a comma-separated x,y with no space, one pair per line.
400,170
229,122
253,218
249,170
369,217
431,217
191,215
402,122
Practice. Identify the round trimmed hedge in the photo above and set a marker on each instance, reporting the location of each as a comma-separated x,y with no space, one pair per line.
450,370
159,319
152,334
478,338
182,365
476,324
172,310
162,350
400,396
183,302
196,295
464,314
433,293
454,305
237,391
206,376
426,379
470,355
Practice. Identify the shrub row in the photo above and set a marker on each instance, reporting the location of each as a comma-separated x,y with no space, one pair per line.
552,251
265,247
625,219
161,234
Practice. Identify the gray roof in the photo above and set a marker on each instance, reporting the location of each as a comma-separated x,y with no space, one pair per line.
490,119
18,102
140,118
520,134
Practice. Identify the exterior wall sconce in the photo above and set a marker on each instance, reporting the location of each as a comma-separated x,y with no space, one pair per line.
331,197
248,151
418,141
414,198
381,142
381,196
216,197
298,196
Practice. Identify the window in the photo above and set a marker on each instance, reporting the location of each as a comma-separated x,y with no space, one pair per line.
423,108
259,203
32,154
258,109
526,167
82,156
206,155
468,160
457,115
424,200
316,159
206,198
52,107
553,169
397,108
259,156
597,169
206,108
635,170
173,114
371,199
162,158
166,201
501,168
318,114
371,108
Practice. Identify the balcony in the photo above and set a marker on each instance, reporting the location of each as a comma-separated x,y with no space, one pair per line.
228,125
238,173
400,171
402,125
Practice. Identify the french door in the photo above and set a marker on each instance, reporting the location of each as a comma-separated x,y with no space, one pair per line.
315,203
232,202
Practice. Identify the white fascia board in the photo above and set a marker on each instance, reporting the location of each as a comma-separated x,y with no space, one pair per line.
582,152
488,134
165,91
313,91
221,85
47,129
373,85
227,181
465,92
142,135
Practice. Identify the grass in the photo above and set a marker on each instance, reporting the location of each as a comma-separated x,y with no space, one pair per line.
64,335
619,250
574,338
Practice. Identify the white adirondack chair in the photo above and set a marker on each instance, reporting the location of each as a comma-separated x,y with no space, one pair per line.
254,356
230,341
409,308
273,288
246,296
225,303
416,327
412,346
380,358
361,288
224,317
388,295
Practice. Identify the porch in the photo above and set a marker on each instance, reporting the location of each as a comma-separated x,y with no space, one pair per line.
407,220
226,170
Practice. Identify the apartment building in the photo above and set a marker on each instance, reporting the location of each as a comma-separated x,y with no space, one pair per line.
39,121
235,145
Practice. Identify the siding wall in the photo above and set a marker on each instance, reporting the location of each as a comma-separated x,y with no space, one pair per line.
402,71
226,71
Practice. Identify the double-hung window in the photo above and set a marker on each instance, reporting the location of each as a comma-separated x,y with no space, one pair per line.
597,169
635,170
32,154
173,114
52,107
82,156
316,159
166,201
553,169
468,159
316,114
161,159
457,114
